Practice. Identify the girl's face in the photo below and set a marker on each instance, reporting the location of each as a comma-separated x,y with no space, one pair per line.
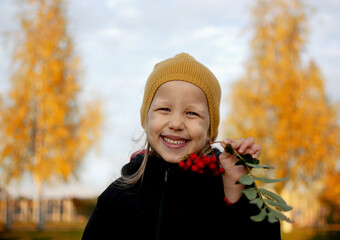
178,120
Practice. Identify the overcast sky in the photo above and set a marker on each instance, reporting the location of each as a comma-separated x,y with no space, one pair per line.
119,42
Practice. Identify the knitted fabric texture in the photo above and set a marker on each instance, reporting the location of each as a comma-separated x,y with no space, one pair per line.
184,67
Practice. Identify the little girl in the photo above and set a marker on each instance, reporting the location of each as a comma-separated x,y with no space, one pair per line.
157,199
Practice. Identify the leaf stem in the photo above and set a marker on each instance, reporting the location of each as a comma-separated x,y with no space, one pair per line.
270,211
249,173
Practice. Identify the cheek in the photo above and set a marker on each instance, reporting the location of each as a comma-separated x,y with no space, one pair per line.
200,131
149,128
206,127
153,125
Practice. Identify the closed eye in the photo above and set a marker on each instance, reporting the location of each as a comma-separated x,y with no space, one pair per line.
164,109
192,114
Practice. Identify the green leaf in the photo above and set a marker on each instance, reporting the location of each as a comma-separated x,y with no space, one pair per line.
258,202
249,159
260,216
250,193
272,195
269,180
279,206
246,180
280,216
271,217
240,162
256,161
229,149
259,166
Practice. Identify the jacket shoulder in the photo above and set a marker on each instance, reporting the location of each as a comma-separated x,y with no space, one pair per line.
133,166
115,188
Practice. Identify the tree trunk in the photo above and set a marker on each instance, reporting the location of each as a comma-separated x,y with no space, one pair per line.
42,207
9,212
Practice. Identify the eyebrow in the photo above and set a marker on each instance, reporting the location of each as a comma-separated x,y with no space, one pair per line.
160,102
199,108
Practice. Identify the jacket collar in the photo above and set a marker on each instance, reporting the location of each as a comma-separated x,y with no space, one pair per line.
156,168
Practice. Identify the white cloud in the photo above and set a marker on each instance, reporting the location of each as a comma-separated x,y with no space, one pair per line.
128,12
206,32
111,32
112,3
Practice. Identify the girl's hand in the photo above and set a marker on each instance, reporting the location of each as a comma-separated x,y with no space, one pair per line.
234,172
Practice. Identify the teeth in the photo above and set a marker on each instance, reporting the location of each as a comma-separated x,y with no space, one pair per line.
168,140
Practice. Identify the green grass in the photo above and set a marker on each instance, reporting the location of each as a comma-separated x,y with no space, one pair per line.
311,234
64,231
41,235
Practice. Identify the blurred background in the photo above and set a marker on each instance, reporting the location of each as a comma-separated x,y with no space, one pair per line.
72,75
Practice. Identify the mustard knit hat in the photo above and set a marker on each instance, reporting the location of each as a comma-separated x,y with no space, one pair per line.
184,67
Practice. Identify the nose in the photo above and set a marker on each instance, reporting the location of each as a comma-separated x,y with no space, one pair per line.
176,122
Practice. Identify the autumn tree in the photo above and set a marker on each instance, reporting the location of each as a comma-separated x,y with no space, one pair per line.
44,129
331,192
280,101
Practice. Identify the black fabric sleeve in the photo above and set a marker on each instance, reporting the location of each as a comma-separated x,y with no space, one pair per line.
95,226
108,213
101,220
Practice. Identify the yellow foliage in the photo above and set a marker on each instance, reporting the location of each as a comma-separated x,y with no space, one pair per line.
331,193
281,103
43,128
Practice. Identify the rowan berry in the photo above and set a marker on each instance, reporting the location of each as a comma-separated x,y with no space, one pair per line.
181,163
200,163
193,156
206,160
212,166
213,159
194,168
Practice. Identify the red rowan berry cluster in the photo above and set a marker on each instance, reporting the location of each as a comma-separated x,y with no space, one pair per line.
202,164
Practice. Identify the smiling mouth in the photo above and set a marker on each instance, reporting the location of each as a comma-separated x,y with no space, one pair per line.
174,141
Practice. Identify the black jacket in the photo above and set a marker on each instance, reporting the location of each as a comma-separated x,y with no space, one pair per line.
170,203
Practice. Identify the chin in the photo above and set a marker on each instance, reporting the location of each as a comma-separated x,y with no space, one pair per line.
172,159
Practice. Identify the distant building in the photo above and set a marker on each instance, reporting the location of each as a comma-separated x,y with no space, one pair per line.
23,209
